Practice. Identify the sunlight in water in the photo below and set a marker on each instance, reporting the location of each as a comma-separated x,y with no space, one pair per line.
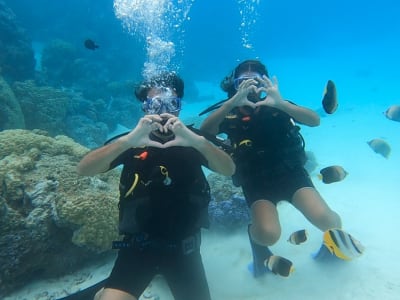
248,10
159,23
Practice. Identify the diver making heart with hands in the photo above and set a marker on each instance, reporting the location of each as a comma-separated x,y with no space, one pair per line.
162,131
254,90
164,196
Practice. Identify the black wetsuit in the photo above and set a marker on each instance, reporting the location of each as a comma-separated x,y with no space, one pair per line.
268,152
164,198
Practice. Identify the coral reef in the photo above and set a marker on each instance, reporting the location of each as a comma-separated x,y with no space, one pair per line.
229,215
17,60
11,116
222,187
51,220
228,211
44,107
59,63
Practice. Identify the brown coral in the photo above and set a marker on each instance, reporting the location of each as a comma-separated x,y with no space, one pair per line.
48,212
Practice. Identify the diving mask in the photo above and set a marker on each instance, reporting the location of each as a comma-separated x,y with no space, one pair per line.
155,104
240,79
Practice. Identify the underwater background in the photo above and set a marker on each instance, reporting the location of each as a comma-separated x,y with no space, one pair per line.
59,98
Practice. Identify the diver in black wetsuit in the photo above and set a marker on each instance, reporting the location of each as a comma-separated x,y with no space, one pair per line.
164,196
269,156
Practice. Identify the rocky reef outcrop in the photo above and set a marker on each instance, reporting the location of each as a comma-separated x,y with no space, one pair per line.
52,221
17,60
228,210
11,115
43,107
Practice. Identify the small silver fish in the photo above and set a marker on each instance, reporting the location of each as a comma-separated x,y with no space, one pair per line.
380,146
298,237
332,174
393,113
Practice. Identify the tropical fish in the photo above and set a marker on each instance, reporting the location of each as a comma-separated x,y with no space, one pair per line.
332,174
342,244
280,265
329,101
298,237
90,44
380,146
393,113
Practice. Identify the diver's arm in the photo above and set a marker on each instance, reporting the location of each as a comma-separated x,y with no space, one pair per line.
212,122
99,160
301,114
218,160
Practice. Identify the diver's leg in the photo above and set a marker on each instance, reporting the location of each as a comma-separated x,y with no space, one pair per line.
186,276
113,294
315,209
264,231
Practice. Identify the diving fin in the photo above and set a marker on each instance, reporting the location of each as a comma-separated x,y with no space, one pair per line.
260,255
264,261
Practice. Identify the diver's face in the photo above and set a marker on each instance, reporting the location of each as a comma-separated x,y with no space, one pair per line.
162,100
246,76
253,97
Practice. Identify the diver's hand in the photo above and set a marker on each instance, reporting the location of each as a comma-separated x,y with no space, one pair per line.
140,135
245,88
271,88
183,136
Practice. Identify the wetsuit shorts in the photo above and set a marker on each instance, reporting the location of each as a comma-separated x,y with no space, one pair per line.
134,269
275,184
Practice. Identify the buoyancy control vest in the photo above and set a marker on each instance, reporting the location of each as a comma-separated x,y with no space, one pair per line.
163,192
262,140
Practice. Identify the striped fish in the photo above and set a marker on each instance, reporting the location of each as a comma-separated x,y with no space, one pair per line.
342,245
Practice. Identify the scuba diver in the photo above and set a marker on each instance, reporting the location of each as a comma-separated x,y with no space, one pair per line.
164,196
268,151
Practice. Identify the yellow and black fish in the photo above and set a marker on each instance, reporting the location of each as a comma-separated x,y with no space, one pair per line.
393,113
332,174
329,101
298,237
342,245
280,265
380,146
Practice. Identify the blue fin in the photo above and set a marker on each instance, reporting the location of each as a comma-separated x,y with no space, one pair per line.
260,255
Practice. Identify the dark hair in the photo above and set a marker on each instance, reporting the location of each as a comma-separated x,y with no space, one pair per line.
165,79
250,65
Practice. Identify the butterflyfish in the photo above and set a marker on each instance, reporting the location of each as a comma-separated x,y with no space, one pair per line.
332,174
393,113
329,101
298,237
380,146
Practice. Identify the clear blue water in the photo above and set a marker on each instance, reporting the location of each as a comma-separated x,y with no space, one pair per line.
304,43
